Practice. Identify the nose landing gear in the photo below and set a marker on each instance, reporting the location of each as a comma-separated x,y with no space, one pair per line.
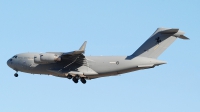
16,74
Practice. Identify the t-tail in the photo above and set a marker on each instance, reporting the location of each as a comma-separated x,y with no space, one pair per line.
160,40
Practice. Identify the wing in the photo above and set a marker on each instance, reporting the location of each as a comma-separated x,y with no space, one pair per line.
76,56
72,63
77,52
73,56
74,59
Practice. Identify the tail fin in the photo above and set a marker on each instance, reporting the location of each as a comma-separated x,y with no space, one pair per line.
161,39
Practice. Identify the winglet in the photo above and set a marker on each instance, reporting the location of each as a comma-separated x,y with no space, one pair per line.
82,48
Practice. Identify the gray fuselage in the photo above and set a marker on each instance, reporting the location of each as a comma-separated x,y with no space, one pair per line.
97,66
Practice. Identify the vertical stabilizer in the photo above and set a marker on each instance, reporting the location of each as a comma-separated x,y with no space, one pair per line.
160,40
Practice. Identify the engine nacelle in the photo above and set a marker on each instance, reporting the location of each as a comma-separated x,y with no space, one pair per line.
46,58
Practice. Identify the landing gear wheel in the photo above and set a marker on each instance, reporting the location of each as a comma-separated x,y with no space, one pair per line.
69,76
83,80
77,77
16,75
75,80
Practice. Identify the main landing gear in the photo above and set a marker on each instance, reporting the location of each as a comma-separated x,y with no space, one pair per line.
83,80
76,78
69,76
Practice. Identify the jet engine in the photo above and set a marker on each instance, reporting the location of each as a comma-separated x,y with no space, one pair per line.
46,58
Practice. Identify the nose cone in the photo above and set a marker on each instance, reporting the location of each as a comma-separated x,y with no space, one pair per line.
9,63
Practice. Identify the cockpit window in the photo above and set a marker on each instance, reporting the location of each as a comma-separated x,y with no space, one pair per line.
14,56
10,59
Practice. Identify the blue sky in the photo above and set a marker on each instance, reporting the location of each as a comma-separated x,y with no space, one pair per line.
111,27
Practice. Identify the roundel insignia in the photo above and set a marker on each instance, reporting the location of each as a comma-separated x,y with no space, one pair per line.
117,62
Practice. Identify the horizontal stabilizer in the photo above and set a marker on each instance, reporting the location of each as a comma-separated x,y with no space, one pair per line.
183,37
176,32
169,31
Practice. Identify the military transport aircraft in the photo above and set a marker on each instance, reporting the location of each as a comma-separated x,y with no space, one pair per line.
74,65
